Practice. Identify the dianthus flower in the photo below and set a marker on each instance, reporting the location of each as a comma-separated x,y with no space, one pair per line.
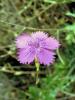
37,45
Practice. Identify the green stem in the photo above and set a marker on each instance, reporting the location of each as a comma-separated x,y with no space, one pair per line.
37,65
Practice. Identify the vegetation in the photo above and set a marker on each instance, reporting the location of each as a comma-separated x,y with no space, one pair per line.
56,81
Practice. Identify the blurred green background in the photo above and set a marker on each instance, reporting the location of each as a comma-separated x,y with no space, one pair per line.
57,81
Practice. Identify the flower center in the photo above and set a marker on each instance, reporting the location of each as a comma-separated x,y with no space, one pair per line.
34,44
37,45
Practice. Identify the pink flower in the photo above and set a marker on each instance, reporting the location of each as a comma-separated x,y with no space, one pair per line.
37,45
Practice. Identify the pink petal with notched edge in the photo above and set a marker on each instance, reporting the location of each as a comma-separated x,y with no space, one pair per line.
51,43
26,55
45,57
22,41
39,35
